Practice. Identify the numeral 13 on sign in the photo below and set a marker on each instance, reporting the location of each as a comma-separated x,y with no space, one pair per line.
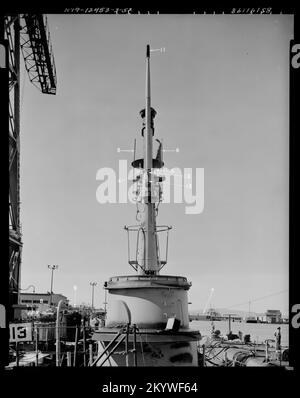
20,332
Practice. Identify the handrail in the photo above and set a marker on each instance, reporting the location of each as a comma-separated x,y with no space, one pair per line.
106,349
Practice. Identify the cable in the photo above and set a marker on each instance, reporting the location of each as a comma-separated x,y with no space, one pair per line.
257,299
223,349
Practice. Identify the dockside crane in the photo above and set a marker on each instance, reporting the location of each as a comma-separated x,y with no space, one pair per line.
208,300
25,34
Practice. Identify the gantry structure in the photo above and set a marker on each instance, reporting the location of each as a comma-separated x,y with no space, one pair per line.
23,36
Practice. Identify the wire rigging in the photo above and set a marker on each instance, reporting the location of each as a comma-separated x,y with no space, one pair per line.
257,299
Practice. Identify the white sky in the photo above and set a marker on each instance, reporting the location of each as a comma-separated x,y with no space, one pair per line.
221,93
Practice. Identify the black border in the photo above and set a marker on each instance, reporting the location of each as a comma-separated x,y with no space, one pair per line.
294,334
4,161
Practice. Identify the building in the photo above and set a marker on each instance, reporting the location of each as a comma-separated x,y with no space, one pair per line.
233,317
37,299
199,317
273,316
213,315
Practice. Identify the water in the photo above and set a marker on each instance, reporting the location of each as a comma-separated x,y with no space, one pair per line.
259,332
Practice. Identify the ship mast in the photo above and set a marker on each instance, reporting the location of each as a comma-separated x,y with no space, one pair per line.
151,302
148,256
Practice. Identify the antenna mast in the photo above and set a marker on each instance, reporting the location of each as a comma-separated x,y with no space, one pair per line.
148,258
148,246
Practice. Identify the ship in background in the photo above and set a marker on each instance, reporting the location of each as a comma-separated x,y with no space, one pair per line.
147,321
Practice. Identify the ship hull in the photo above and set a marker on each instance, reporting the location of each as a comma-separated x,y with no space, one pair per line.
156,308
152,348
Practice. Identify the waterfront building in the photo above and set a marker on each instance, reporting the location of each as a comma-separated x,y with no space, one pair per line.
273,316
40,299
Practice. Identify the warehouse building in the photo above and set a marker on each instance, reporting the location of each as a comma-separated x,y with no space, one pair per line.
37,299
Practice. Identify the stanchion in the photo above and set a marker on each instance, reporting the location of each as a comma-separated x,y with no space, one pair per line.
126,344
58,333
69,358
84,345
75,346
134,346
90,354
267,351
17,354
36,347
47,330
203,355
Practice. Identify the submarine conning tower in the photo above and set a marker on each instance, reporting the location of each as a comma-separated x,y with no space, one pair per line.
146,299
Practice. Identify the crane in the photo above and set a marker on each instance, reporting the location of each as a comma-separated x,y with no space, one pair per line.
27,34
208,300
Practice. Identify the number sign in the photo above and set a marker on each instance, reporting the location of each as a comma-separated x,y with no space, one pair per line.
20,332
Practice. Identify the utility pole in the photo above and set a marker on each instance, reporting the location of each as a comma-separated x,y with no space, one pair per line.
52,267
75,290
93,284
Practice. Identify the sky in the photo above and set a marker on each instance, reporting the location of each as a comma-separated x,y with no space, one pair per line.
221,95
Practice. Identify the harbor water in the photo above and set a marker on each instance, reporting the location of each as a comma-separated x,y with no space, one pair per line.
259,332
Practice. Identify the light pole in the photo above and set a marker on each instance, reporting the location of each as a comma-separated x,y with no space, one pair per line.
75,289
52,267
93,284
